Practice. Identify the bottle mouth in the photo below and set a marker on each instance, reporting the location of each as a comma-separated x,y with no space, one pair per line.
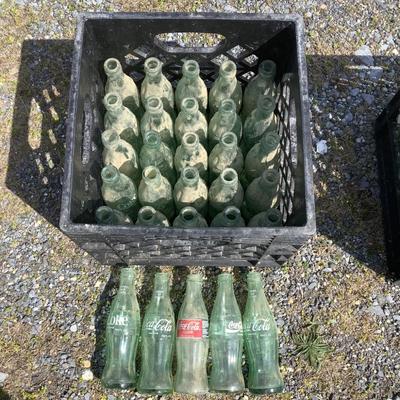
109,173
266,103
147,213
190,175
229,139
112,101
112,66
110,138
274,216
152,66
267,68
104,214
188,214
271,176
154,105
227,106
190,139
228,69
152,139
151,173
270,140
229,176
232,213
190,68
190,105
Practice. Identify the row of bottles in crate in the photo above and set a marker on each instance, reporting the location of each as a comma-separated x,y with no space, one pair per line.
191,339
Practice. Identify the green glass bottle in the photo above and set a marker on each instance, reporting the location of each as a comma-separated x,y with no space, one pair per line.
157,120
230,217
191,190
148,216
224,120
119,192
263,83
263,192
270,218
226,86
191,153
225,191
155,84
122,84
121,119
108,216
156,191
122,335
226,154
121,154
191,85
190,119
263,155
260,121
260,340
189,218
155,152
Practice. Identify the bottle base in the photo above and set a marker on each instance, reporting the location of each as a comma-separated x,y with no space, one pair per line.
277,389
154,391
118,385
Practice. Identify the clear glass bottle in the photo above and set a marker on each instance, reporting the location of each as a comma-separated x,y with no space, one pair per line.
189,218
155,84
119,192
122,84
263,83
157,120
191,85
156,191
191,153
108,216
225,191
224,120
156,153
230,217
226,86
270,218
226,154
190,119
148,216
121,119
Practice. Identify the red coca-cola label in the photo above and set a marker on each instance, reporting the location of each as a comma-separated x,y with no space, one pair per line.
192,328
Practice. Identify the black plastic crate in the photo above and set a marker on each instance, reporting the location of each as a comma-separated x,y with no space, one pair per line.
246,39
387,136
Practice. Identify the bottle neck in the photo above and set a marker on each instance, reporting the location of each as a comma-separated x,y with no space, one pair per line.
161,287
254,286
190,143
113,69
127,280
229,178
190,109
190,177
265,107
152,140
111,176
267,70
227,112
153,70
110,139
190,71
229,142
269,179
113,104
151,176
154,107
269,142
193,289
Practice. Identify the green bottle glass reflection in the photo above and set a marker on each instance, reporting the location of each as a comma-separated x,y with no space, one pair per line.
189,218
230,217
190,119
121,119
224,120
157,120
226,86
260,340
262,84
122,84
191,85
226,154
156,153
122,335
119,192
225,191
270,218
156,191
155,84
263,155
148,216
108,216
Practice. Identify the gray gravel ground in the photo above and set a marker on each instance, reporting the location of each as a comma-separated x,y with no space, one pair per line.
54,297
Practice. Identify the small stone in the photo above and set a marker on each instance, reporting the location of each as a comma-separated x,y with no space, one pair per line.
312,285
280,322
375,73
376,310
3,377
365,56
396,317
73,328
354,92
87,396
368,98
348,117
87,375
111,397
86,364
322,147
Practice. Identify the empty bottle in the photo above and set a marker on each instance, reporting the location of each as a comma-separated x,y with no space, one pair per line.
122,335
122,84
156,191
226,86
157,340
121,119
119,192
108,216
191,85
156,153
121,154
191,153
148,216
189,218
155,84
225,191
263,83
260,340
260,121
226,154
226,339
224,120
230,217
263,192
192,340
157,120
190,119
191,190
263,155
270,218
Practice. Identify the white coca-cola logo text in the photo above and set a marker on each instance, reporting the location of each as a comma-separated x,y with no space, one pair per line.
260,325
120,320
234,326
190,325
161,325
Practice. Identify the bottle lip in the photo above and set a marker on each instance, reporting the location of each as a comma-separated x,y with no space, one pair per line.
110,138
190,175
267,68
104,214
190,68
112,101
190,140
227,106
152,139
147,213
270,176
229,176
270,140
228,69
188,214
273,215
190,105
229,139
231,213
109,173
151,174
152,66
154,105
112,67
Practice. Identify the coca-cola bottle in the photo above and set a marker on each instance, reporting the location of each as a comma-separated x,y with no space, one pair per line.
260,340
192,340
157,341
122,335
226,339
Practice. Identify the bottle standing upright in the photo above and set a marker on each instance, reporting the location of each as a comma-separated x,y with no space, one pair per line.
122,335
